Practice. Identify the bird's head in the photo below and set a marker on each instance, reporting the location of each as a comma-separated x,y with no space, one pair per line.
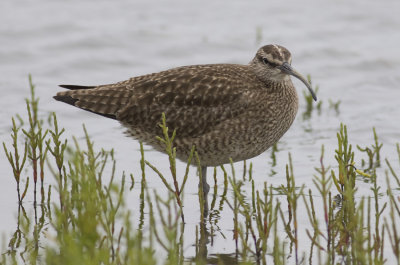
273,63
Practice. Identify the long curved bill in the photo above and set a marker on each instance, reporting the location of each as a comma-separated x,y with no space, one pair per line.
288,69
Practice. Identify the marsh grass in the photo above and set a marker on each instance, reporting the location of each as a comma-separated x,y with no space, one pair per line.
83,218
311,106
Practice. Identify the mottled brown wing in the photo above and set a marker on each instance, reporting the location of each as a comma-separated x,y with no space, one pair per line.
193,98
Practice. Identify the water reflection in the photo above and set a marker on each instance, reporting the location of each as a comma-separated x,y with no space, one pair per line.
26,241
14,244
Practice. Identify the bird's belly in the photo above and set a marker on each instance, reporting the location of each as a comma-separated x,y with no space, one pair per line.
243,141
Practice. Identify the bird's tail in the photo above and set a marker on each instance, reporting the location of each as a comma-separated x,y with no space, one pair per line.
103,100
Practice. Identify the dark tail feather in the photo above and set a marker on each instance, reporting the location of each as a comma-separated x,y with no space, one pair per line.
66,99
74,87
72,101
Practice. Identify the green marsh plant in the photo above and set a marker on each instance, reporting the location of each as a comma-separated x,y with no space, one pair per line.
373,152
310,105
83,218
176,189
16,161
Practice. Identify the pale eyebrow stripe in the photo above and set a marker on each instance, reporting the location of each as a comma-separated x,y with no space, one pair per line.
271,59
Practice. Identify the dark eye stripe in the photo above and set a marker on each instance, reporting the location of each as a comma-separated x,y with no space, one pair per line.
265,60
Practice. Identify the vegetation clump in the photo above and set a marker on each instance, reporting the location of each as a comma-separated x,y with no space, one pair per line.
83,217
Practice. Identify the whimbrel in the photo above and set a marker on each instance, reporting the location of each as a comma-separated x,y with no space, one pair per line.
227,111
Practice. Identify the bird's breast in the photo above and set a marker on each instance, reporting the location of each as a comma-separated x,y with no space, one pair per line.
250,133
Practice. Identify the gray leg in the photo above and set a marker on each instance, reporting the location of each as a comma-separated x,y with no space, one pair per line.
206,188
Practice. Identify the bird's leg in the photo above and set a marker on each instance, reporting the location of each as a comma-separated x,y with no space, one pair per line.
206,188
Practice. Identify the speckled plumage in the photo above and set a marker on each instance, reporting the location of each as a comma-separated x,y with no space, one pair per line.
225,110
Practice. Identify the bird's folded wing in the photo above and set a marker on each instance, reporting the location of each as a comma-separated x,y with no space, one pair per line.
194,99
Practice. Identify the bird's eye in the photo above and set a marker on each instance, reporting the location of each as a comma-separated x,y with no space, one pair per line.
265,61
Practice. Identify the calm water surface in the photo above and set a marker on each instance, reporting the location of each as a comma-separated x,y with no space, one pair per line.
350,48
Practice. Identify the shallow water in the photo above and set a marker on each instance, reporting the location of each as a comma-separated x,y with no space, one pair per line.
350,48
